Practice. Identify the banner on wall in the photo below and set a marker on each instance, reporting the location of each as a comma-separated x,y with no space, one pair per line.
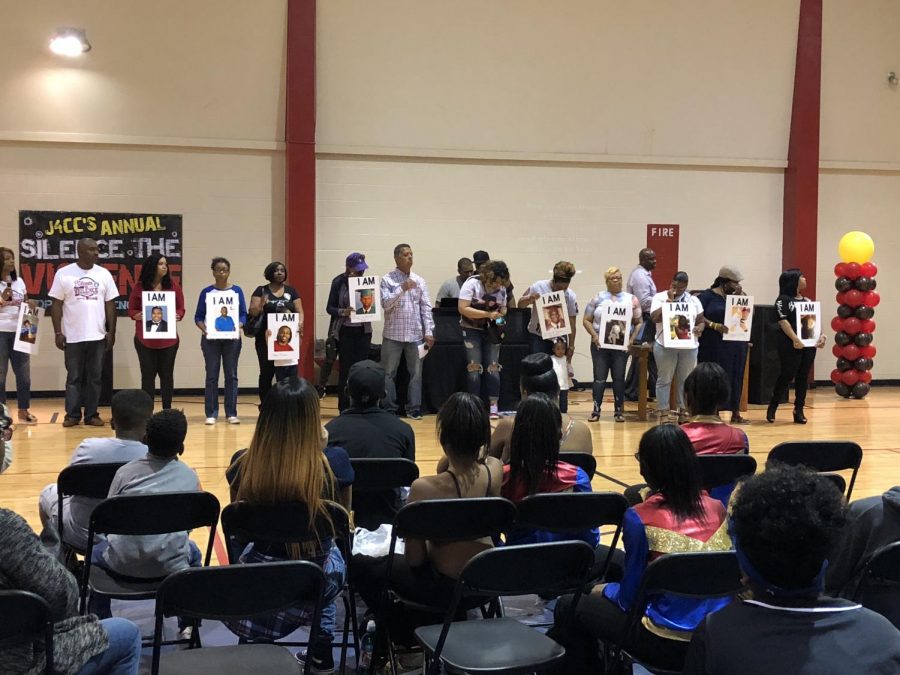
48,240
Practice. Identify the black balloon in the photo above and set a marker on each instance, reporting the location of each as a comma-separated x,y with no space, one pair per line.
842,338
842,390
862,312
872,283
861,339
863,284
844,284
845,311
863,363
860,389
843,364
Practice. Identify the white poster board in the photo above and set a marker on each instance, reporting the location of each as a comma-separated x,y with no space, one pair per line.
615,326
553,315
158,315
809,322
283,337
738,317
678,320
365,299
27,336
222,315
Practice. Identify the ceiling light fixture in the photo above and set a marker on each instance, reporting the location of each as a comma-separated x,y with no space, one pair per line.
69,42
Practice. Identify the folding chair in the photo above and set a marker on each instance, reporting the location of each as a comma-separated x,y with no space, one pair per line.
445,520
583,460
688,575
879,588
90,481
289,524
26,620
135,515
375,485
821,456
569,512
718,470
229,593
503,645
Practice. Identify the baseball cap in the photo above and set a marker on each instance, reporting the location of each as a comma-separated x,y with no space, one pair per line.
480,257
357,262
731,273
365,382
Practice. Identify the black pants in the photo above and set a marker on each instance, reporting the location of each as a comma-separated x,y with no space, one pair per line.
353,346
648,336
795,366
157,362
268,370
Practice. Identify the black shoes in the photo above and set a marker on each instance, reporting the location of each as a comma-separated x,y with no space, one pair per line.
799,417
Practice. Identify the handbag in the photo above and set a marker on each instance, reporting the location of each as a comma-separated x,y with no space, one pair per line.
253,325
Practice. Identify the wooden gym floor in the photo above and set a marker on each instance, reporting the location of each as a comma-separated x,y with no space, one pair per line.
41,451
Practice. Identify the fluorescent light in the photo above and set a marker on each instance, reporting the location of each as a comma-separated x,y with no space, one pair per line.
69,42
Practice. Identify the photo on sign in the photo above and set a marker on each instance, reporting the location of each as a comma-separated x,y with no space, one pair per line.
158,315
738,318
678,325
27,329
553,319
809,322
283,337
365,301
615,326
222,315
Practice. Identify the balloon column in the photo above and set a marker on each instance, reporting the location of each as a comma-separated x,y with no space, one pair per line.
853,326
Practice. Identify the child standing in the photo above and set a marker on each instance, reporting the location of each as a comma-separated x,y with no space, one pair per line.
562,369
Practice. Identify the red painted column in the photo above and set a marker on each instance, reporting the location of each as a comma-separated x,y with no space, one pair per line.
801,178
300,166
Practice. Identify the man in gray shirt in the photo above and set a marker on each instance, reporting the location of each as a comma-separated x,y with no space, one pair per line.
641,285
450,288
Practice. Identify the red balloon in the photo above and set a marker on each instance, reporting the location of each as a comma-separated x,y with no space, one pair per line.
868,351
851,353
837,324
850,377
870,298
852,325
841,298
852,270
862,376
868,269
840,270
838,351
854,298
836,376
867,326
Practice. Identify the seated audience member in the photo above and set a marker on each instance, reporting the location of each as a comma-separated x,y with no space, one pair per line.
784,523
366,430
81,644
872,523
706,391
534,467
131,408
151,556
427,571
288,461
677,517
6,428
538,377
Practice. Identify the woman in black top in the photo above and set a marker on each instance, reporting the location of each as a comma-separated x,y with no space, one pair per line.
272,297
796,359
353,339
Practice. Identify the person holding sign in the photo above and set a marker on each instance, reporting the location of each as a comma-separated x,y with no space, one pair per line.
731,355
155,356
275,297
675,311
608,319
563,272
216,350
795,357
12,295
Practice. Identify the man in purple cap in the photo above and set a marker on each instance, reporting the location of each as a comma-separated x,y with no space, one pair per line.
353,339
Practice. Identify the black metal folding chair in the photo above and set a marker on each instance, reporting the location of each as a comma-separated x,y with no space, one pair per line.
235,592
718,470
375,485
504,645
90,481
582,460
879,588
136,515
821,456
26,620
688,575
289,524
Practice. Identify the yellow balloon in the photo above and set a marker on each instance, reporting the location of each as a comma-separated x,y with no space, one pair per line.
856,247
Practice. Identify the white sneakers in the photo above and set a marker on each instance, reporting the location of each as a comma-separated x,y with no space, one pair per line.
234,420
210,420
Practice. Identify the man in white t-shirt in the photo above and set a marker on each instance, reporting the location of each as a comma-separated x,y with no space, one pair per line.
84,320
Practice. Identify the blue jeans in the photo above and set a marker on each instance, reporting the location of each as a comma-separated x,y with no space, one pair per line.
606,361
226,352
391,351
123,655
483,364
84,372
21,364
672,364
